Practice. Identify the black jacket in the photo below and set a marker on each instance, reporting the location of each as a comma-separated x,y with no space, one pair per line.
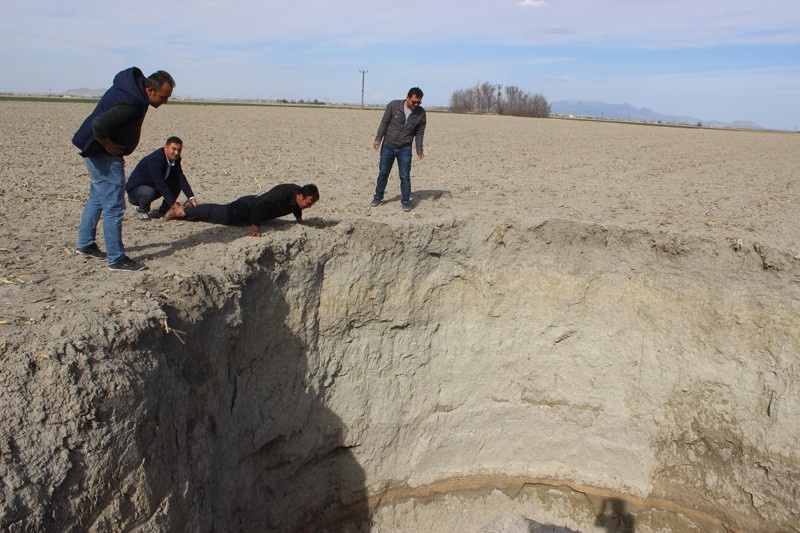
276,202
399,132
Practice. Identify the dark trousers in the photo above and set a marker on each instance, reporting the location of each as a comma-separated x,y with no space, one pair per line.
143,195
235,213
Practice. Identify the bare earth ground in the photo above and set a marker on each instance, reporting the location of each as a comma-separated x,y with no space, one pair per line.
691,190
735,187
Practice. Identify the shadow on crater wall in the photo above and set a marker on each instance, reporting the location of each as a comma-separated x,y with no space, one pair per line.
259,449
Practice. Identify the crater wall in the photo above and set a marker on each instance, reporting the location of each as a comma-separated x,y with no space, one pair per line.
424,377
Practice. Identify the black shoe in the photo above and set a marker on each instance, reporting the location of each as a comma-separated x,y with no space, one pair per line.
127,264
91,251
158,213
375,203
143,216
407,208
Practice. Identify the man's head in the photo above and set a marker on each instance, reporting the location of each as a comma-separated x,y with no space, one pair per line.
308,196
173,148
158,87
414,97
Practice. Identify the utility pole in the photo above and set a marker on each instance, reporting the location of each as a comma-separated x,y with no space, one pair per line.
363,72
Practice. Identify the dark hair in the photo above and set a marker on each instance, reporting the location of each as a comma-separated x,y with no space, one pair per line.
157,79
174,140
416,91
310,190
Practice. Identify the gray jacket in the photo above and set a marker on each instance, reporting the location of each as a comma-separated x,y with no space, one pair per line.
398,132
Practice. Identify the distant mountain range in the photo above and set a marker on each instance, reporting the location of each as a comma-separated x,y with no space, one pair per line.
578,108
85,93
628,112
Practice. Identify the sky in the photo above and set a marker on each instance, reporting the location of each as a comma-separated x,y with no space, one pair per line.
725,60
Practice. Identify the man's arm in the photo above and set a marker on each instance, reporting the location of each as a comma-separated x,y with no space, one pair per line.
420,134
105,122
384,125
257,210
185,187
261,209
298,216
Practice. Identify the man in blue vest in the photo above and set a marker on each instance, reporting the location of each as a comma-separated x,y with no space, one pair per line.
160,175
108,134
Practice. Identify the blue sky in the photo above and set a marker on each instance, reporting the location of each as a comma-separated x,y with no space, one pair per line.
709,59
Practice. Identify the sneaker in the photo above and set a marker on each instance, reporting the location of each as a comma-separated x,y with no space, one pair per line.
143,216
91,251
158,213
407,208
375,202
128,264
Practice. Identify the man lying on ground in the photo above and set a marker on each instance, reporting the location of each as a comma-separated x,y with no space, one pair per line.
277,202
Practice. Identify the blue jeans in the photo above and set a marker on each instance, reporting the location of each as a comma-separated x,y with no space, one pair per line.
106,196
403,155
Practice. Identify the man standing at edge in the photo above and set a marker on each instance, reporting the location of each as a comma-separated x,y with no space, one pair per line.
160,175
108,134
402,122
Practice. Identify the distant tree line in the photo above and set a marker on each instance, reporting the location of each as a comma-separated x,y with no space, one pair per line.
314,102
490,98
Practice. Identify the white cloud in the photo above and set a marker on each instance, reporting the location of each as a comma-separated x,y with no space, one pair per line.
214,24
257,47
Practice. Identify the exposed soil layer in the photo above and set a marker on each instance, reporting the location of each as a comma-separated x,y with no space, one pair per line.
583,324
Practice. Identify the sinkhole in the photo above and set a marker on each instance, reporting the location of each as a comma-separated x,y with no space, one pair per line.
430,378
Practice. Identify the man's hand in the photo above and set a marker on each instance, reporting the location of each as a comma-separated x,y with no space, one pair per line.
255,231
190,203
421,156
111,147
376,144
178,210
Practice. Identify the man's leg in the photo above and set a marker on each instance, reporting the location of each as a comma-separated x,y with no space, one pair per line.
232,214
387,160
106,195
142,196
214,213
87,232
404,166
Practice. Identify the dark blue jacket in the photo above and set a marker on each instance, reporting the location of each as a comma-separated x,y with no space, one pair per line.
119,115
152,171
